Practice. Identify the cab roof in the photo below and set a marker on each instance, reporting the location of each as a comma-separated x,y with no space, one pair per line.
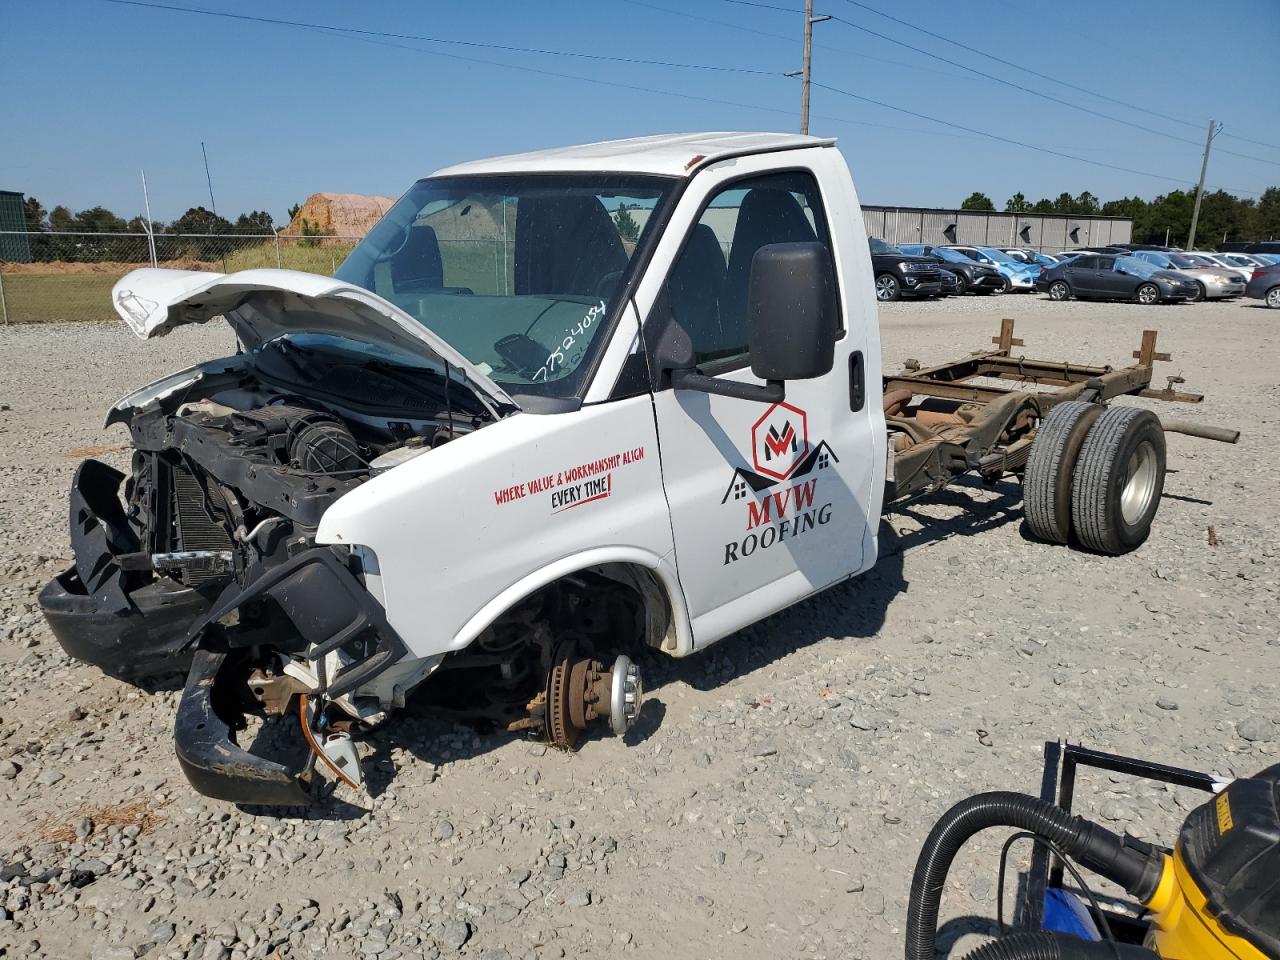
675,154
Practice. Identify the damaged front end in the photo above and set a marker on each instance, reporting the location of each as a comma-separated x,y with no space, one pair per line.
204,557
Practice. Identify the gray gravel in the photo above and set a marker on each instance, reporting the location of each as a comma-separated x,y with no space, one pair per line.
776,796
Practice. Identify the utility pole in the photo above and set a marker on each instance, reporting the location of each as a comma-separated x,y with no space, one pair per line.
809,21
1214,130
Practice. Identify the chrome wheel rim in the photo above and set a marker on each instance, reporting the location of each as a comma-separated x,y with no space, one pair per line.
1058,291
885,288
1148,295
1139,483
1273,297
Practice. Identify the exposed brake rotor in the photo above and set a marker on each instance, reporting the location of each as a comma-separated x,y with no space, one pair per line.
580,691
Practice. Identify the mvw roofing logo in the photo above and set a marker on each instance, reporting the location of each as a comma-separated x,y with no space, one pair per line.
780,451
779,440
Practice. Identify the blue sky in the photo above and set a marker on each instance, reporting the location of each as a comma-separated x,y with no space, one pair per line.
96,91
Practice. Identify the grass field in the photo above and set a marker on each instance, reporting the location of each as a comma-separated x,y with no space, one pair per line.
83,291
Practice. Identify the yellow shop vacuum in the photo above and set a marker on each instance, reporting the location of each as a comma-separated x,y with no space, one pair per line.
1214,896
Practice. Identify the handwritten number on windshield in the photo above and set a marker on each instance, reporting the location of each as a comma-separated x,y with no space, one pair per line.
557,359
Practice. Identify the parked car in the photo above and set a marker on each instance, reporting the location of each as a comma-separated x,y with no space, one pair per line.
974,277
1240,263
1018,276
1214,282
952,285
1267,258
1265,285
1109,277
1027,255
899,274
1250,246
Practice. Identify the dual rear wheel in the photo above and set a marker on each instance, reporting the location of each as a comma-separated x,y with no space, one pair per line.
1095,474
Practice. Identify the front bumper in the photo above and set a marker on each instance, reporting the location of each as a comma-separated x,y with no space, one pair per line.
922,286
146,639
209,715
100,610
1219,291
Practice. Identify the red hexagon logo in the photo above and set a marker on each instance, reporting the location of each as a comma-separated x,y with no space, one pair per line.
780,440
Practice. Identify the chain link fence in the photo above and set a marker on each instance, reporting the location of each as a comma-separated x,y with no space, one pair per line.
53,276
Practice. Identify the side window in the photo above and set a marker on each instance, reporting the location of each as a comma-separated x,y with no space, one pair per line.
707,287
1084,263
1106,263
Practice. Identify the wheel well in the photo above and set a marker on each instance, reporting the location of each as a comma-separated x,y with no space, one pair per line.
620,605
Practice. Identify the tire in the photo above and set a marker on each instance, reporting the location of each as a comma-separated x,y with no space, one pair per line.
1119,478
1059,290
1147,294
1005,284
1202,295
1272,298
964,285
1046,485
887,288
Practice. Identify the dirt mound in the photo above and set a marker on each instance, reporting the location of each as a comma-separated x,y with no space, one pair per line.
105,266
338,214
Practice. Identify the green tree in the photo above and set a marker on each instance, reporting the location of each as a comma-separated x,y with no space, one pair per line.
1043,205
1265,220
1065,203
200,220
100,220
628,229
1086,203
977,201
61,218
1017,204
35,215
293,211
259,221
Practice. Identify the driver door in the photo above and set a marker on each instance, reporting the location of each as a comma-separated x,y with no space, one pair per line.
769,502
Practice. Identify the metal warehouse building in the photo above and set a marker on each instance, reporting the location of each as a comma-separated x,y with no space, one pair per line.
1042,231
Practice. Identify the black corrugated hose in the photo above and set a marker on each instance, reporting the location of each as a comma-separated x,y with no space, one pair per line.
1057,946
1132,865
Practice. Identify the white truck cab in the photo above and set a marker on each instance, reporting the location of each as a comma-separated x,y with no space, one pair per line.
554,407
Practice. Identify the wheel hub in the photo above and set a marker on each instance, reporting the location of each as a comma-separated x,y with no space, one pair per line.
581,692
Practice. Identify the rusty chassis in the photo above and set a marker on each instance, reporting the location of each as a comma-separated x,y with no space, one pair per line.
980,414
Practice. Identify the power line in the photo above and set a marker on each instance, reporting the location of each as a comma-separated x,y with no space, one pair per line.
1001,80
425,39
1009,140
783,36
379,38
1045,76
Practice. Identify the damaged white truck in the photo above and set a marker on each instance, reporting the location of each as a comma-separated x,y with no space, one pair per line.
554,407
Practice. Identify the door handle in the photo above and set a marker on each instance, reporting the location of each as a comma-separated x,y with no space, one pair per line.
857,381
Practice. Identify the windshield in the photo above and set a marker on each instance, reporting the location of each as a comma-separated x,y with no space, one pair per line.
1000,256
951,256
517,273
1199,261
1175,260
879,246
1135,267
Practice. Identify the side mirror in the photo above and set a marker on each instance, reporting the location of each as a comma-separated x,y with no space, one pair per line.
793,318
792,311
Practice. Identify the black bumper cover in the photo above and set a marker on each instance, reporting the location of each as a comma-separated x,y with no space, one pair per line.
100,610
147,638
207,752
331,610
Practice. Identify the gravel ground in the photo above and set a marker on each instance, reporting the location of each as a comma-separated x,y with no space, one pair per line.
775,796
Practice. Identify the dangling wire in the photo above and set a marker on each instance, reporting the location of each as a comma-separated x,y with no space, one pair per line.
1071,868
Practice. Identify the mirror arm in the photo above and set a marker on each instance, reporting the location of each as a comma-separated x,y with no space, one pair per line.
774,391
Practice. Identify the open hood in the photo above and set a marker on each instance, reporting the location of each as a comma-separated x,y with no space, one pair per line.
263,304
